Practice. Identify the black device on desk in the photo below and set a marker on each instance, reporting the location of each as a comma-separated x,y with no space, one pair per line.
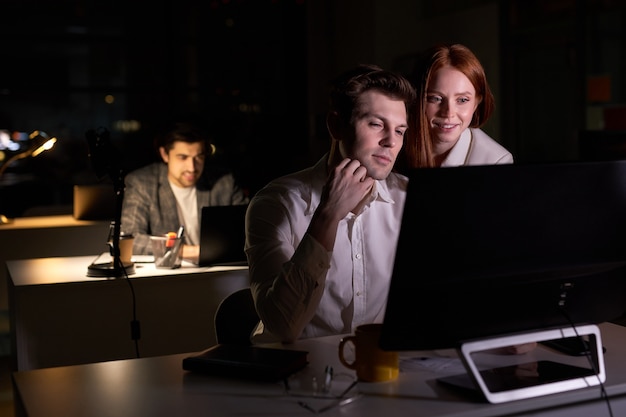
94,202
247,362
486,251
222,235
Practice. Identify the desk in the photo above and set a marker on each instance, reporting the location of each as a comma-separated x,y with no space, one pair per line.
38,237
59,316
159,387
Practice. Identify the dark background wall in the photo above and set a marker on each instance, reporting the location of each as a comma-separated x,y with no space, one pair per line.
257,71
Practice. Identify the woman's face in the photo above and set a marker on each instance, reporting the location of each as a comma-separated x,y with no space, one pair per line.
450,104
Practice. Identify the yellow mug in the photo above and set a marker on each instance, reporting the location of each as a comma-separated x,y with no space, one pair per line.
372,364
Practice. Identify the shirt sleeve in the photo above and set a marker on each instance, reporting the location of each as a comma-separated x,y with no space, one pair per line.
287,268
136,214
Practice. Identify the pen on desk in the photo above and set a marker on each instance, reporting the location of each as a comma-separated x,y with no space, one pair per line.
338,403
328,378
170,240
171,236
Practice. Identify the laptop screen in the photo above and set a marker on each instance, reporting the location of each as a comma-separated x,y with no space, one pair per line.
222,235
94,202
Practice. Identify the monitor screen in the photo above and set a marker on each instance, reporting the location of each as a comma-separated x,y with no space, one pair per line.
496,250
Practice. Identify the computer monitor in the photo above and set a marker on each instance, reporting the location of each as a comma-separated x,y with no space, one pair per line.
485,251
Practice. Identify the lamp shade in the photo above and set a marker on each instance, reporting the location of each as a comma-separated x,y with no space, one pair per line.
38,142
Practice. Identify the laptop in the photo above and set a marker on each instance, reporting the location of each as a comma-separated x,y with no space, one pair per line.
94,202
222,235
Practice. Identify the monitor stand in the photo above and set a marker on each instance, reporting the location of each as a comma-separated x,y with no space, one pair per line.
508,377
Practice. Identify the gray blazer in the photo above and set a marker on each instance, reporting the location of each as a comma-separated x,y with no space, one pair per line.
149,206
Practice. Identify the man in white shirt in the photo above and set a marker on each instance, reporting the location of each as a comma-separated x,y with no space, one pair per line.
321,242
162,196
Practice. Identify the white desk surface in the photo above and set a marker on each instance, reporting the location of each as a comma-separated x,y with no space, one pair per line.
159,387
60,316
65,270
35,237
43,222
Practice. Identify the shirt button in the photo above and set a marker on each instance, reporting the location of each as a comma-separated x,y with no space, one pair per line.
358,293
358,256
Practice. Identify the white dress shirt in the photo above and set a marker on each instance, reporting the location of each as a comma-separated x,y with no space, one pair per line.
475,147
301,290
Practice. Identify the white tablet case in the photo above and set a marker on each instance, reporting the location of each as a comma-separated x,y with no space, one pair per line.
595,374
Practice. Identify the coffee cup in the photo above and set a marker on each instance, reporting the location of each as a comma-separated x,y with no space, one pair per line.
372,364
126,247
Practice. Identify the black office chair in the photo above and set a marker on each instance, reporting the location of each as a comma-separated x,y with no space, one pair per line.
235,318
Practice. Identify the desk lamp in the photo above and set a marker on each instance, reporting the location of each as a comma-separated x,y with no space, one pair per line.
38,142
106,160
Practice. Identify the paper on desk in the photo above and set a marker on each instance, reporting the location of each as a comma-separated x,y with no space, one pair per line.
142,258
436,364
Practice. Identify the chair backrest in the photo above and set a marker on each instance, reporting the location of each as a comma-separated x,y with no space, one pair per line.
235,318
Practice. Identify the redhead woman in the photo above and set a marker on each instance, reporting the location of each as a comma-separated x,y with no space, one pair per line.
454,102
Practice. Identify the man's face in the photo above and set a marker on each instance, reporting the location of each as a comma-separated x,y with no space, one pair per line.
378,133
185,162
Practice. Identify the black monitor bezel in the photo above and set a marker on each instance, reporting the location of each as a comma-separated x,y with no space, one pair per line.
465,269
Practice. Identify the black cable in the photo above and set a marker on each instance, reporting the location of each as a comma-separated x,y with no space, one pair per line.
107,160
592,364
135,331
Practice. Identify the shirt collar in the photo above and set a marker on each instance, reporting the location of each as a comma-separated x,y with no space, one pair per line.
458,153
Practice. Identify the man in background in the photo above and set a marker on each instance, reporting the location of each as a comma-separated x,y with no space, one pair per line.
164,195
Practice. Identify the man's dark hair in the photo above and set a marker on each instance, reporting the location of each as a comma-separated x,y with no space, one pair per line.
349,86
184,132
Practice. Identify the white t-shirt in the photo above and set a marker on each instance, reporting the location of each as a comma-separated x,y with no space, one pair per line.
187,205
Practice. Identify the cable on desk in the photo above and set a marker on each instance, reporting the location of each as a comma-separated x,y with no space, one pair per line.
592,364
135,328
